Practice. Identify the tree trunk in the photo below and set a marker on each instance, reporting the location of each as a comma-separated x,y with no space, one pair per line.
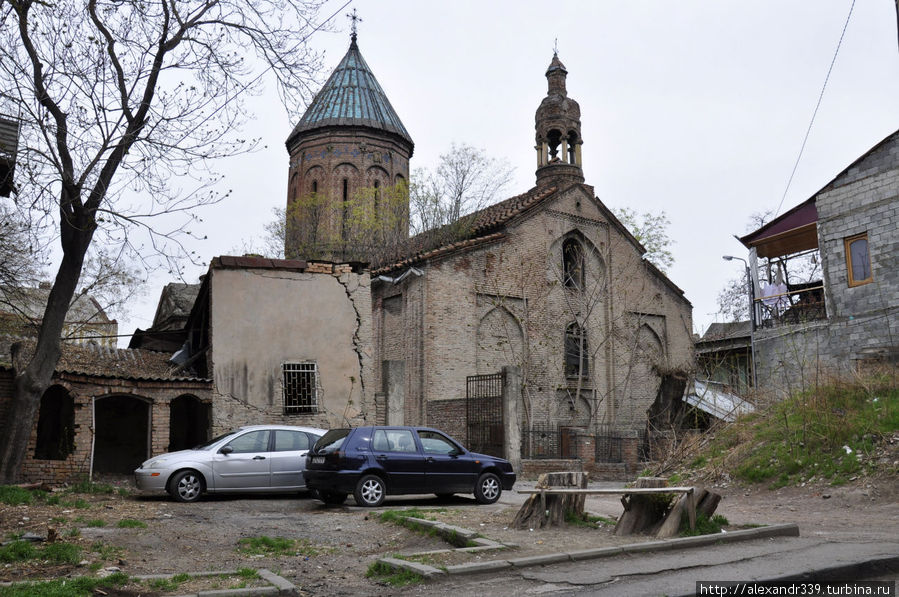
643,512
540,511
34,378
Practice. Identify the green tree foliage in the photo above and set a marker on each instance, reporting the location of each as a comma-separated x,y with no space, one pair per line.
652,232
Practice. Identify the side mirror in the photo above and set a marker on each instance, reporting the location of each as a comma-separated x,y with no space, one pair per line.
226,450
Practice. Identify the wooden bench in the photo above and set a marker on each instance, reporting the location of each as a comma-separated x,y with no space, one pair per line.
623,491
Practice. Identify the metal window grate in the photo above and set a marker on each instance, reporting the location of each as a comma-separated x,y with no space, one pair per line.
300,394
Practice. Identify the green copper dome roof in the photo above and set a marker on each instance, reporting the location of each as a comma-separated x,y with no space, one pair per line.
351,97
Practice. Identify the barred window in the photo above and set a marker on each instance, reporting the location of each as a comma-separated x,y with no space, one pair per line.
300,395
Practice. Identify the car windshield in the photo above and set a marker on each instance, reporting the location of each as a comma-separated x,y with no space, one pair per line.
215,440
331,441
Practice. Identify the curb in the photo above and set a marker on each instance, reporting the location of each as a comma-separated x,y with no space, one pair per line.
777,530
279,585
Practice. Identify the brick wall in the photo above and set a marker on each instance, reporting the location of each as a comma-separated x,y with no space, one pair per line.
504,303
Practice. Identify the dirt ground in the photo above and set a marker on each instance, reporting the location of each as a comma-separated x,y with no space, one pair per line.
343,541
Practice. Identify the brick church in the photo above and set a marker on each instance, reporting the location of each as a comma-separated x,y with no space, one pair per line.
531,334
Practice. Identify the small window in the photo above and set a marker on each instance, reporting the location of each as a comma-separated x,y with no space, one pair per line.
300,383
858,260
315,186
577,360
248,443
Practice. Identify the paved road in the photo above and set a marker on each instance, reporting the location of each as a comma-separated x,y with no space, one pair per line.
848,535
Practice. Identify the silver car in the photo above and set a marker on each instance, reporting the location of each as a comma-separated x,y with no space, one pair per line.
257,458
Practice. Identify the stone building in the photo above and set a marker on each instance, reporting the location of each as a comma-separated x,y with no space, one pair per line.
805,333
348,155
547,287
263,341
283,341
106,411
22,310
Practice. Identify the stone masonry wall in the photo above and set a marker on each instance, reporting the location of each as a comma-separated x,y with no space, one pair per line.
504,303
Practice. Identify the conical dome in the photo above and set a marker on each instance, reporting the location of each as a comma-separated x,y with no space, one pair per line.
351,97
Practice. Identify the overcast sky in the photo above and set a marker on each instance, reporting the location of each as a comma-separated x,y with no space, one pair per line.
697,108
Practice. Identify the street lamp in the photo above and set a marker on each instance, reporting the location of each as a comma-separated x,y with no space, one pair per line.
748,285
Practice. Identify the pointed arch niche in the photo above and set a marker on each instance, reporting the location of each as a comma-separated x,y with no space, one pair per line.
500,341
577,264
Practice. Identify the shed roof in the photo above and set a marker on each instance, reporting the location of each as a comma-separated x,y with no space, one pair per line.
100,361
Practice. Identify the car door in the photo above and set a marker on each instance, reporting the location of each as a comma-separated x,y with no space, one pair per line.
246,466
288,459
448,467
397,453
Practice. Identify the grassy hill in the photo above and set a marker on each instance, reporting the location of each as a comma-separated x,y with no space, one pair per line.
833,434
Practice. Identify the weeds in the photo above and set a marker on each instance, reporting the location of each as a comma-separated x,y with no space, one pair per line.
586,520
65,587
58,553
279,546
827,433
704,525
130,523
14,496
395,578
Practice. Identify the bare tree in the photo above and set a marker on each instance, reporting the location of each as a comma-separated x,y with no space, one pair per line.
123,106
465,181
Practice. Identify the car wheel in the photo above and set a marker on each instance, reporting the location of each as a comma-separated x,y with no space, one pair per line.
488,489
333,498
370,491
187,486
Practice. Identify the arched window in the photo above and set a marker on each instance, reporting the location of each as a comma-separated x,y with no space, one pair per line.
577,355
573,264
55,425
315,186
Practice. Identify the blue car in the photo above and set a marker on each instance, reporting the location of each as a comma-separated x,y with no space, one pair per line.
374,462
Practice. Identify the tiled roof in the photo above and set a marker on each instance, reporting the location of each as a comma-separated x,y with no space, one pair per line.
95,360
351,97
479,227
32,301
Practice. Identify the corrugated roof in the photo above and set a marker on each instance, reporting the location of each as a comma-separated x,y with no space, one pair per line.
351,97
100,361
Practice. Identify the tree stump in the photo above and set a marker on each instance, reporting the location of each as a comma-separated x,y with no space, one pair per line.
540,511
642,513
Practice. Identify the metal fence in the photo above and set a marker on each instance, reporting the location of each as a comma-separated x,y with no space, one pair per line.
544,442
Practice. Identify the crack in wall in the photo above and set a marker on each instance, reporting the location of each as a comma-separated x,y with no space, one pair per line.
343,280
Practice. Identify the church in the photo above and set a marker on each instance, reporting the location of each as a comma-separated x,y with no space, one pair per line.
538,331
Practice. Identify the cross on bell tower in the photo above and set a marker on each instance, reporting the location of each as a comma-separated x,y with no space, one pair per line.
558,127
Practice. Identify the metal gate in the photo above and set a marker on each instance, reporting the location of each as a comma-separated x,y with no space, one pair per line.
484,413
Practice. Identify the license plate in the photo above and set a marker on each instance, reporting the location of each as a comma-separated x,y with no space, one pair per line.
318,460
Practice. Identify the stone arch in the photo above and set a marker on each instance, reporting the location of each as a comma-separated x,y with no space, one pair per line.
649,345
121,433
500,341
313,181
189,422
594,266
55,425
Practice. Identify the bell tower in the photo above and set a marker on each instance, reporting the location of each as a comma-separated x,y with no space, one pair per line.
349,154
558,124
